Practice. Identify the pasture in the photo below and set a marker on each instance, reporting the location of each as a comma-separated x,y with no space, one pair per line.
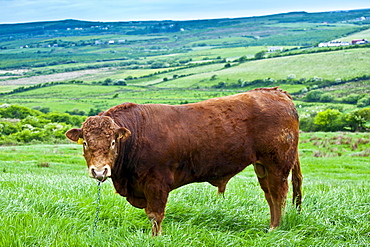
48,200
180,85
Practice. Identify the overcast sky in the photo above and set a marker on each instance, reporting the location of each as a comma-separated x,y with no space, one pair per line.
19,11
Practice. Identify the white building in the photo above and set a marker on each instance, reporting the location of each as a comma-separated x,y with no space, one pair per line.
275,48
334,43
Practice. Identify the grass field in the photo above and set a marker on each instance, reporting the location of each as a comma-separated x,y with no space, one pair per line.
48,200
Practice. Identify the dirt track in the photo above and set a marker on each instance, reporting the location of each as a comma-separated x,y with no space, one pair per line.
52,77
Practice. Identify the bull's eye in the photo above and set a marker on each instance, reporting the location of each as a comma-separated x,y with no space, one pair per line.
85,144
113,143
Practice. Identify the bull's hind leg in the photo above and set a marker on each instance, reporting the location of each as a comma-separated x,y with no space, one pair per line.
297,184
278,185
265,187
275,186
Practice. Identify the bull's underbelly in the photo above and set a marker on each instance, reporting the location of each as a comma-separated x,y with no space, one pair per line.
217,174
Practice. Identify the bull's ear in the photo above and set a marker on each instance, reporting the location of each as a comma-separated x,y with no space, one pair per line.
74,134
123,133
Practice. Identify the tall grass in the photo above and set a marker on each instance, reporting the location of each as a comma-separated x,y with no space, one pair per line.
48,200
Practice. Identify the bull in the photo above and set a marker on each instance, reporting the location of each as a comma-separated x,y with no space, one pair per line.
151,149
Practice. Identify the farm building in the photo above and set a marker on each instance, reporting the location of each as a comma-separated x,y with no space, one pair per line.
359,41
275,48
334,43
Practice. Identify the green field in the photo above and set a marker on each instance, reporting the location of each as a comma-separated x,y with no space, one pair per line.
179,85
48,200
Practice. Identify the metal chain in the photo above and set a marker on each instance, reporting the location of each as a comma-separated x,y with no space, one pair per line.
97,208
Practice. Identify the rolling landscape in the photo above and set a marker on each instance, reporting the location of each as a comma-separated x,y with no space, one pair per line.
55,74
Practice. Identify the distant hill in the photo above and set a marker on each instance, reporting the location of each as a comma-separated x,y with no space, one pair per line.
260,27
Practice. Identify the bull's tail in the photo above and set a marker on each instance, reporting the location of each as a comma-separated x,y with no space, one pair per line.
297,183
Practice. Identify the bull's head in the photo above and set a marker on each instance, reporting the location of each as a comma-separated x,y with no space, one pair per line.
99,136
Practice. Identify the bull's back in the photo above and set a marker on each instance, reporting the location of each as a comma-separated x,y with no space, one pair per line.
260,112
228,133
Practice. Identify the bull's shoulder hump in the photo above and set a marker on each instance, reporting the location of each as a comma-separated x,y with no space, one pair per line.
272,91
120,107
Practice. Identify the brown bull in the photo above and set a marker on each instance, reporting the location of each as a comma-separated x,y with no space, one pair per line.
149,150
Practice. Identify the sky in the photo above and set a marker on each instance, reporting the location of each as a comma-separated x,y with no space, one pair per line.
20,11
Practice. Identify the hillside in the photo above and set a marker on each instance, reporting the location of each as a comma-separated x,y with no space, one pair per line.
71,64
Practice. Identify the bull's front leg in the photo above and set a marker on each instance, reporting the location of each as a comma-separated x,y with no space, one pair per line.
156,195
155,219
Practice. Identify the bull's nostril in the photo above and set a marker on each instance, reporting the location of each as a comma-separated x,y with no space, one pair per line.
93,172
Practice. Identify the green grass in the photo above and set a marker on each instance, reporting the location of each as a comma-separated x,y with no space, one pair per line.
359,35
331,65
66,97
48,200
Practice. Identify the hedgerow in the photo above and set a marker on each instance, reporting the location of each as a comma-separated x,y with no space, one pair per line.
20,125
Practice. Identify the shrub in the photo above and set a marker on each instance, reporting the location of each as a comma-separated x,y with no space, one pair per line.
34,121
328,120
358,120
7,128
49,132
18,112
220,85
351,98
57,117
120,82
260,55
41,109
93,112
326,97
313,95
365,101
306,123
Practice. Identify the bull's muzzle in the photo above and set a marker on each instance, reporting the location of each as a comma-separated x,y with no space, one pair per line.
100,173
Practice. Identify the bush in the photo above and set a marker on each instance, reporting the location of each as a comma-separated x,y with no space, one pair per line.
48,133
313,95
260,55
326,97
76,111
359,120
220,85
93,112
57,117
41,109
7,128
365,101
328,120
351,98
306,123
120,82
18,112
34,121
